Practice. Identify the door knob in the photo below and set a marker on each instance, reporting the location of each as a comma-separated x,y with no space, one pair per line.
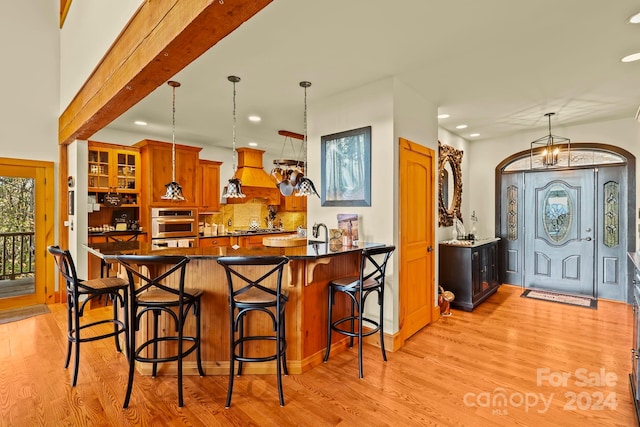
429,248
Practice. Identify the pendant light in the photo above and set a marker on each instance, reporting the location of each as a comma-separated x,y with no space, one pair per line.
233,190
547,147
305,185
174,190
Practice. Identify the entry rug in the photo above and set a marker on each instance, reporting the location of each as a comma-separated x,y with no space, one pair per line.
14,314
561,298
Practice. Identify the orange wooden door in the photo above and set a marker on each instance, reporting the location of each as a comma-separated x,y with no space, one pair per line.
26,274
417,230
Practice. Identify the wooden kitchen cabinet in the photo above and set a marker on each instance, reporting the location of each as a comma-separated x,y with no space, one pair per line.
113,168
214,242
209,186
156,165
293,203
255,240
470,271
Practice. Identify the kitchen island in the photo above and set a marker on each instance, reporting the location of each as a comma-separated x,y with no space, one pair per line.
306,276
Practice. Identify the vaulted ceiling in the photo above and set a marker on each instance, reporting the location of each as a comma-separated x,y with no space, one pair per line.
497,66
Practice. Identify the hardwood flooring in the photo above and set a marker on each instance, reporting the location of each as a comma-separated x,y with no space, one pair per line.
512,361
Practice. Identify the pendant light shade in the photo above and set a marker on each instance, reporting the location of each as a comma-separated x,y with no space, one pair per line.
233,189
547,149
305,185
174,190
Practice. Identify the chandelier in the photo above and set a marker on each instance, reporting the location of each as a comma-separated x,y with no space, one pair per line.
547,148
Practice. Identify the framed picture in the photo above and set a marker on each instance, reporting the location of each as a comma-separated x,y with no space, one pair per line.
346,168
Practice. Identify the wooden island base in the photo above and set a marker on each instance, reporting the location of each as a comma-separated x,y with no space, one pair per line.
306,277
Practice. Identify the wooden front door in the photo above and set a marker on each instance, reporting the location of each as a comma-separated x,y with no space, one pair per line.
417,230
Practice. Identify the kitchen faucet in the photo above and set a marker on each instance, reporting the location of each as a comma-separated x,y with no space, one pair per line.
316,231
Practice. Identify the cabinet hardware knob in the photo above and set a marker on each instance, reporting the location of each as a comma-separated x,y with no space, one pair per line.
588,239
429,248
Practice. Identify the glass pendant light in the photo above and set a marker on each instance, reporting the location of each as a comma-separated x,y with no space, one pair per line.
174,190
305,185
233,189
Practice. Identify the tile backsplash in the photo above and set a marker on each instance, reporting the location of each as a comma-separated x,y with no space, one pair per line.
241,215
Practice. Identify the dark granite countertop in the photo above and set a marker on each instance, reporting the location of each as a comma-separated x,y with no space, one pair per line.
313,251
116,232
249,233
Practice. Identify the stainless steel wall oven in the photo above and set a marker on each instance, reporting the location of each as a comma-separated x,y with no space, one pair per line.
174,226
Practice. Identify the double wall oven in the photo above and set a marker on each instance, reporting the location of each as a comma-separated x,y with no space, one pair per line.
174,227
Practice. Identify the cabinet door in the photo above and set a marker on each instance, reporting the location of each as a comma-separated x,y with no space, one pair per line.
293,203
477,274
210,186
251,241
99,169
127,172
160,161
492,264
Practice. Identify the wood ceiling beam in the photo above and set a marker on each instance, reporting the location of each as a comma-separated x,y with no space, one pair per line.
162,38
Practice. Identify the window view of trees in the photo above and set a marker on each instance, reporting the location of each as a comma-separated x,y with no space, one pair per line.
17,227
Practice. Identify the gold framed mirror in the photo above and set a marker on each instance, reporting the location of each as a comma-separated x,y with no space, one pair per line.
449,184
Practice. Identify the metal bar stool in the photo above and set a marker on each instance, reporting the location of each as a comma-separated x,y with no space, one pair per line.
153,295
79,294
373,263
252,289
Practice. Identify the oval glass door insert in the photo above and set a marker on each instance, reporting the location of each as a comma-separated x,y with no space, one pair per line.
558,212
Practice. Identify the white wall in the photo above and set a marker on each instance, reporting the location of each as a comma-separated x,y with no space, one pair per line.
452,140
415,119
486,155
30,80
88,32
78,222
370,105
392,110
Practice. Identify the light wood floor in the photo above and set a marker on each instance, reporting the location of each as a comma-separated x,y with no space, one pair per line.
495,366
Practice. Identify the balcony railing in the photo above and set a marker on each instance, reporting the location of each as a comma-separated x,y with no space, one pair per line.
18,255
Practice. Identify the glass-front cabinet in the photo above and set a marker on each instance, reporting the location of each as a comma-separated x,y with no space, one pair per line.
113,169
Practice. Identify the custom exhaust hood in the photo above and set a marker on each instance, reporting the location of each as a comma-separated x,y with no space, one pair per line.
256,183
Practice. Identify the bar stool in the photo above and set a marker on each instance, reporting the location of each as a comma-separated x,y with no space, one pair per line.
153,295
110,237
79,294
252,289
373,263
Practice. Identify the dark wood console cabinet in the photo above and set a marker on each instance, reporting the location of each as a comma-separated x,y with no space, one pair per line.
470,271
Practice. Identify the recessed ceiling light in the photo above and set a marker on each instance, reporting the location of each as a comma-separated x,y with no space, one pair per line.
631,58
140,123
443,116
254,118
461,127
635,19
253,144
473,135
